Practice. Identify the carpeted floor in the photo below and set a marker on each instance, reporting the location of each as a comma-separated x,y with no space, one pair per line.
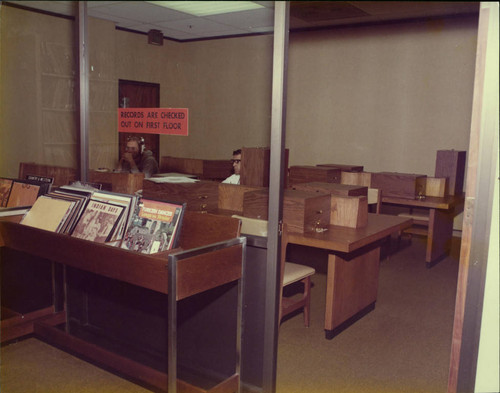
401,346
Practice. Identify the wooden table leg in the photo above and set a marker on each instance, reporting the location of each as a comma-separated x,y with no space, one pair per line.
351,289
439,235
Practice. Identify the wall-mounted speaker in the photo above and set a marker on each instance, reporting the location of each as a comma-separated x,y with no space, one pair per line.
155,37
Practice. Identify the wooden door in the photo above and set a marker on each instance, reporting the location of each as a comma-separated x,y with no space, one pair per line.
133,94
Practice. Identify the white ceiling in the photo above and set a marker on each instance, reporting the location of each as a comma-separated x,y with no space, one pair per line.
142,16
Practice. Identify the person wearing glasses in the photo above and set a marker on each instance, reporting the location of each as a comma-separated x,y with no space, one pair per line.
236,161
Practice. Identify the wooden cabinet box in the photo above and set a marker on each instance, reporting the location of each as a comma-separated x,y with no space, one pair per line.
451,164
126,183
303,211
216,169
399,185
192,166
255,166
200,196
62,175
204,169
342,167
307,174
356,178
349,211
231,196
436,186
332,188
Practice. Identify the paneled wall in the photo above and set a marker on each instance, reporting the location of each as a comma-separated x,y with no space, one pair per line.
386,97
103,95
37,90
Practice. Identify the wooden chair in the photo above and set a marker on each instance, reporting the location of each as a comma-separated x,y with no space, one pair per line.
375,199
290,272
435,187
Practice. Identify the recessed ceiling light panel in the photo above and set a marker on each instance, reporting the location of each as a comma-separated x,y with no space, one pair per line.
204,8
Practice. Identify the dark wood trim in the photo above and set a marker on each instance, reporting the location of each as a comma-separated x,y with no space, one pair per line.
100,356
390,22
26,8
19,326
330,334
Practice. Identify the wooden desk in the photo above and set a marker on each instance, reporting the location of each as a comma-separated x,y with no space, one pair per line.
442,212
212,258
353,267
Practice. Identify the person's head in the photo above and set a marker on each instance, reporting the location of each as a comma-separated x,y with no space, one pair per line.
236,160
134,146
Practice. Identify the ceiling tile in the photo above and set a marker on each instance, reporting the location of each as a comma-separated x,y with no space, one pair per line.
143,16
198,26
251,19
141,12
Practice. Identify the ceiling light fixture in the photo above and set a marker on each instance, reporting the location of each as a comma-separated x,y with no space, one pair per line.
205,8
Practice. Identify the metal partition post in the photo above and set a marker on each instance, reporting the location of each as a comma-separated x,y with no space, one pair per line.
83,88
276,183
172,325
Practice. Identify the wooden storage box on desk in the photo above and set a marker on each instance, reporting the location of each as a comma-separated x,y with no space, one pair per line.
62,175
349,204
451,164
125,183
192,166
303,211
306,173
216,169
356,178
231,196
343,167
349,211
200,196
399,185
436,187
255,166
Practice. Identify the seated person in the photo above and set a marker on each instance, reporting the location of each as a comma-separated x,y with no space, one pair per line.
235,178
136,159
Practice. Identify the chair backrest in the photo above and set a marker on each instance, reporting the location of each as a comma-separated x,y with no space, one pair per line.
257,227
375,197
252,226
284,244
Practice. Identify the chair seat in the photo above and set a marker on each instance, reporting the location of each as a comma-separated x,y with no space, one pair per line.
295,272
415,216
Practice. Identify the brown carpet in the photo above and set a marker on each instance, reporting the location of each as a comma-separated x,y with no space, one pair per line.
401,346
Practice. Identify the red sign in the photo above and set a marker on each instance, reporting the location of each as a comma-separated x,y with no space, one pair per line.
167,121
